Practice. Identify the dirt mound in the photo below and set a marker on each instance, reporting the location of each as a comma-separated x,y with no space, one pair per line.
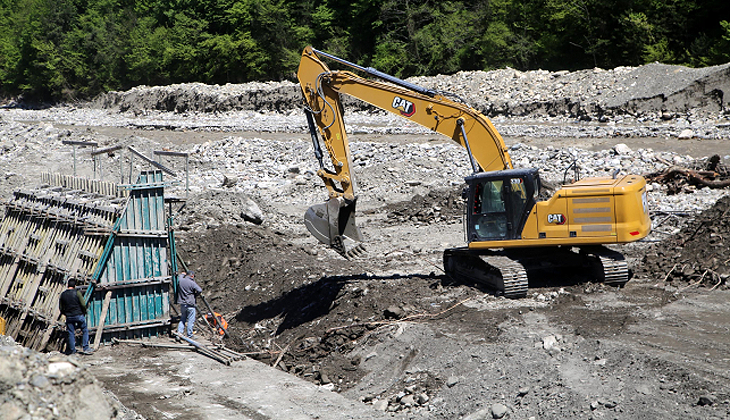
191,97
697,254
435,206
282,305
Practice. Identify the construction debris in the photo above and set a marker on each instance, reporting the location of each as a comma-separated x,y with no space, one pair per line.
217,352
696,255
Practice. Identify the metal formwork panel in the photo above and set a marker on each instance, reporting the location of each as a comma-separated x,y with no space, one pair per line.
48,235
132,307
136,269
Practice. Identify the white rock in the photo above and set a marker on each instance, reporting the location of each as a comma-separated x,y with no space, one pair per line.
60,368
380,405
622,149
686,134
498,410
549,342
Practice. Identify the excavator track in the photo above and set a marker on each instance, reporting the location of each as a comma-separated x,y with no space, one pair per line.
513,274
610,266
507,273
501,273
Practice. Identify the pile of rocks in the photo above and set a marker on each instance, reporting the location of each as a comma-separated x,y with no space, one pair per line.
272,96
409,400
51,386
656,91
270,171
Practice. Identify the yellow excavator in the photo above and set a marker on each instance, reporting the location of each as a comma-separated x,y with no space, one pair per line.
510,232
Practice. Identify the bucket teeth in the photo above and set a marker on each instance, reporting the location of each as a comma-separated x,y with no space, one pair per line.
348,248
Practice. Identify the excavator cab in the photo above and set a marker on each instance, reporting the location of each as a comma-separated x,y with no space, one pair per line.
498,203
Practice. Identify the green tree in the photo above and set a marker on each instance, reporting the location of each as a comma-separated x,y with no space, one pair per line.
66,49
38,27
10,54
93,49
720,51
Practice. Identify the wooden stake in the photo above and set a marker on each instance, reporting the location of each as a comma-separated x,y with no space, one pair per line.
102,318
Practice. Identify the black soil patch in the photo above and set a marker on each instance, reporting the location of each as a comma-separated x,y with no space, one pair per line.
299,312
697,255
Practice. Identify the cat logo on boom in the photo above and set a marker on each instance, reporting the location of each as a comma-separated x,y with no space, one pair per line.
557,218
406,108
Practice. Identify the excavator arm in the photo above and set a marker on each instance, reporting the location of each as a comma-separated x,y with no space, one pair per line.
333,222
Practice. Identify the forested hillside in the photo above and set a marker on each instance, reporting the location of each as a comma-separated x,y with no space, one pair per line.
75,49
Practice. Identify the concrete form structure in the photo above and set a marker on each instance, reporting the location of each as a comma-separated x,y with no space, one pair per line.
114,239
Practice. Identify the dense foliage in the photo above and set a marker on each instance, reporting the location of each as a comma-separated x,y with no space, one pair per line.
66,49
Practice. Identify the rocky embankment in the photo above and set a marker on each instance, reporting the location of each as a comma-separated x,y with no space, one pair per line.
37,385
654,91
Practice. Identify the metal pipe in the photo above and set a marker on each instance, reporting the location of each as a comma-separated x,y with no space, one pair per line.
75,143
460,123
121,169
106,150
204,350
96,152
151,161
186,155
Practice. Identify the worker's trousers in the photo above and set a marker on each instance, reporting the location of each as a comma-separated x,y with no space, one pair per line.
187,319
73,322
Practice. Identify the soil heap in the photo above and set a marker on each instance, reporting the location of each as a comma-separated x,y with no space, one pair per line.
698,254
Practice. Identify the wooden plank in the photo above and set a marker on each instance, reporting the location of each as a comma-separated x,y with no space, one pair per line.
102,318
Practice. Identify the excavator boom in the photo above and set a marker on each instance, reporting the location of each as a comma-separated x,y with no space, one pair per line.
333,223
321,88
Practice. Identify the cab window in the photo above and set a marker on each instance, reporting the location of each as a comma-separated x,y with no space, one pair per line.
489,211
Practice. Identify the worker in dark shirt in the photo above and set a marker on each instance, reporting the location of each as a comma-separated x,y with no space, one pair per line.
187,289
73,307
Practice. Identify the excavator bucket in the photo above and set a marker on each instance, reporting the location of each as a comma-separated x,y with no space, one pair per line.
333,223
